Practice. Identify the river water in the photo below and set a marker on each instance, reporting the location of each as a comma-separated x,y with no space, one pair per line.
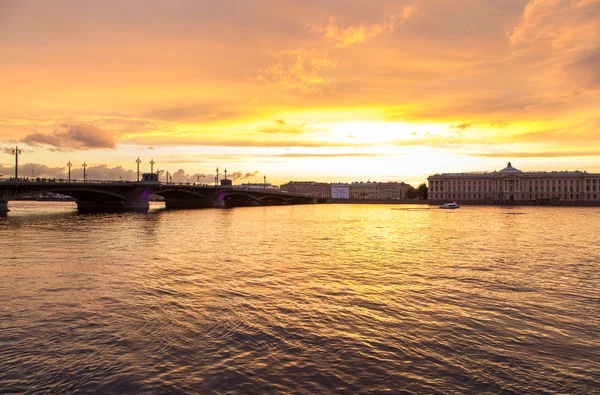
300,299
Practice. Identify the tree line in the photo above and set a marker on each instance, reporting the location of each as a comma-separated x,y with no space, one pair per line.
419,192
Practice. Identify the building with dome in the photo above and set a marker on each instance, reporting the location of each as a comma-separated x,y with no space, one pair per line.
512,184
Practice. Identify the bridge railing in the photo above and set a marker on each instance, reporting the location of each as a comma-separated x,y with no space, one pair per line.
44,180
27,180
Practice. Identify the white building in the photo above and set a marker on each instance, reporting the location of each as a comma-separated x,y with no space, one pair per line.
340,191
511,184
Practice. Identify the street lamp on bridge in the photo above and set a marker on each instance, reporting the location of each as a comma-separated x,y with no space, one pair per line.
138,161
84,173
69,164
217,178
151,165
16,153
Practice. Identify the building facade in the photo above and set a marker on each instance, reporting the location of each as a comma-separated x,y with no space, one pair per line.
392,190
298,187
511,184
355,190
321,189
364,190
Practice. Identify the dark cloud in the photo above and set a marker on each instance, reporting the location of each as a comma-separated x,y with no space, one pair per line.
238,175
34,170
103,172
462,126
182,176
72,137
99,172
9,150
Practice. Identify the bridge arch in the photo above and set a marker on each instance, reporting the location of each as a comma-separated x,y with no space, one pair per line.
273,199
178,193
236,193
77,193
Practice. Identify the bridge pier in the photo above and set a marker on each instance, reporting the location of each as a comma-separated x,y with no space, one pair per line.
3,207
136,199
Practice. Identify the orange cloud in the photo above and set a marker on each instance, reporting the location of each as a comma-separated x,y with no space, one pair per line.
344,37
300,71
68,137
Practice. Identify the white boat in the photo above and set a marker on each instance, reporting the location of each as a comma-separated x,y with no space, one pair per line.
450,205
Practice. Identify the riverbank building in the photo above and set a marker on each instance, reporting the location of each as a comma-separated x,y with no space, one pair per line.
511,184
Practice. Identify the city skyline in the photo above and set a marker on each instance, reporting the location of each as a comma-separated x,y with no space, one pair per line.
336,90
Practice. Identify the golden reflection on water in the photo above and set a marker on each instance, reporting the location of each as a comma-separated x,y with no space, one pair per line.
315,298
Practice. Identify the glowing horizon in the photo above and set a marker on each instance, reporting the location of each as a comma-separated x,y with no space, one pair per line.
335,90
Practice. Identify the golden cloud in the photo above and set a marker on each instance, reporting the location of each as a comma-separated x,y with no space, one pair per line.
346,36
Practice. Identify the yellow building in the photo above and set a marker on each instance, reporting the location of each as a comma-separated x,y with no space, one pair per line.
364,190
392,190
511,184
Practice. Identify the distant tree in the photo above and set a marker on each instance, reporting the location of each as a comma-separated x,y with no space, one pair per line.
422,191
411,192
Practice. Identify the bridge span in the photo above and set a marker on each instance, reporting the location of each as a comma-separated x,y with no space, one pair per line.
134,196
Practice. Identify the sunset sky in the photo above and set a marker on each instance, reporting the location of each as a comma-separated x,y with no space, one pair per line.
332,90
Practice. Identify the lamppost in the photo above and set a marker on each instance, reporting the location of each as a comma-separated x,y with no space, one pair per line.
32,174
138,161
16,153
217,178
167,173
84,173
198,179
151,165
265,182
69,164
225,173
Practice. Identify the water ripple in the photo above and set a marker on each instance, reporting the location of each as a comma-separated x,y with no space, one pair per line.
300,299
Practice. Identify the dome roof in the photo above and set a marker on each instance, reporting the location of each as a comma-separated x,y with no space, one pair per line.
510,169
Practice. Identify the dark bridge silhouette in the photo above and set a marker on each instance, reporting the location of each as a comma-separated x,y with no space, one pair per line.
133,196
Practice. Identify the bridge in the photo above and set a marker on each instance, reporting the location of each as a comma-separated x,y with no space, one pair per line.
101,196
